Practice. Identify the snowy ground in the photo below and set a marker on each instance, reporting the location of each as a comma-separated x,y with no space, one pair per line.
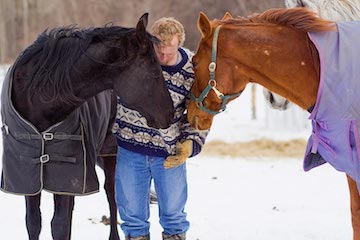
229,198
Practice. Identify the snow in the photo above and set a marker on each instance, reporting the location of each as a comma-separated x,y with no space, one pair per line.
229,198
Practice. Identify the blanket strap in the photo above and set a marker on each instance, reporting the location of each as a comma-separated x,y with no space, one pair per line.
47,136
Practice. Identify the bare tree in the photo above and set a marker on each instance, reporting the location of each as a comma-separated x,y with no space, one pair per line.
22,20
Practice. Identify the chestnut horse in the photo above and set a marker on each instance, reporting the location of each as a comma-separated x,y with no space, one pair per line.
272,49
57,113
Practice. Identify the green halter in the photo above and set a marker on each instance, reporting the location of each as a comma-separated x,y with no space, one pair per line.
212,83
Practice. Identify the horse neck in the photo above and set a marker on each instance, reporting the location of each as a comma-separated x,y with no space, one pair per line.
281,59
43,114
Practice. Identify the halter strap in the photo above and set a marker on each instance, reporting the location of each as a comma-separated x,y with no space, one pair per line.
212,82
212,65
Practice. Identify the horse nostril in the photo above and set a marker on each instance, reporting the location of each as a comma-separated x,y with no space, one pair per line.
271,98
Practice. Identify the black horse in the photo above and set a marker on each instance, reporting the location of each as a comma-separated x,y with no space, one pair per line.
62,75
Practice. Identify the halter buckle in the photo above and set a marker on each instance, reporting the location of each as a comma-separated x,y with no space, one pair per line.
212,67
212,83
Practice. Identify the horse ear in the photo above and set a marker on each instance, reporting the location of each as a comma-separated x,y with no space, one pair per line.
226,16
141,26
204,25
144,19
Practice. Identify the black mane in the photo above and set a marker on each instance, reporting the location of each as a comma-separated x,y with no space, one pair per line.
56,52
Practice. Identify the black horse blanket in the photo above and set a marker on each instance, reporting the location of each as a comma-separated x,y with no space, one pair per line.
61,159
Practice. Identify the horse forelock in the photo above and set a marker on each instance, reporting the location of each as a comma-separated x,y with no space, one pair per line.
298,18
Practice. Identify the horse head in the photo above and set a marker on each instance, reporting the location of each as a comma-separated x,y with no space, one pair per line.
137,76
276,101
268,48
141,85
205,104
66,66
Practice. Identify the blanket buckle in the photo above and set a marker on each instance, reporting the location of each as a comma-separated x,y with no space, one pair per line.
48,136
44,158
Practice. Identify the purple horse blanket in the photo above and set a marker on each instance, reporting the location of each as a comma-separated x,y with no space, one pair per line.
336,115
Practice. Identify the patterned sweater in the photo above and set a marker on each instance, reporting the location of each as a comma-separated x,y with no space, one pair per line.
132,131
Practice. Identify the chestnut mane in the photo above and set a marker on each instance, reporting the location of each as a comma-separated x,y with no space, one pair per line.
299,18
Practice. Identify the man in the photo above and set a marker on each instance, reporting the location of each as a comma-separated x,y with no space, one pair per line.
145,153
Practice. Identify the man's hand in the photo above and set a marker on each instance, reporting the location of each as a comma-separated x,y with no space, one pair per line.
183,151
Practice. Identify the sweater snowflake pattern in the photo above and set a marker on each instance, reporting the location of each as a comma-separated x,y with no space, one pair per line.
132,131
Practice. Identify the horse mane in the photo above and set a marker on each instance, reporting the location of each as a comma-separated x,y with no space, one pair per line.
345,10
55,52
298,18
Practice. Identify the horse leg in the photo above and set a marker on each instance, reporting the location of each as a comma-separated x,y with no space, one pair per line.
109,163
33,216
355,207
61,221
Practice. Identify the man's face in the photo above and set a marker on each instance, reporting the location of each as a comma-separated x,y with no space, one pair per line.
168,54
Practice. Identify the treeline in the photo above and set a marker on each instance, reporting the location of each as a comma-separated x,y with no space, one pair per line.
22,20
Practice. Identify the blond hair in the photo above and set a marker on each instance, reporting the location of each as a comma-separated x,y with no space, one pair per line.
167,28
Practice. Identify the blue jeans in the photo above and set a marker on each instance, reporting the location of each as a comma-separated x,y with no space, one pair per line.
133,176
